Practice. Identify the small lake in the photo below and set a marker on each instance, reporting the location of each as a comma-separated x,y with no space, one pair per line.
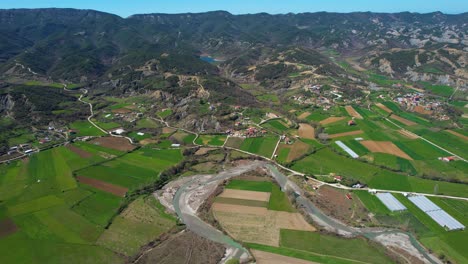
208,59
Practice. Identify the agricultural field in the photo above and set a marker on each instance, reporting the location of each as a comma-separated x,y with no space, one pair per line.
263,208
133,170
211,140
324,161
276,125
45,207
290,152
165,113
263,146
84,128
141,222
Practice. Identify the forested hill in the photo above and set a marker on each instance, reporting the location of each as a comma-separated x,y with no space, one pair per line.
85,44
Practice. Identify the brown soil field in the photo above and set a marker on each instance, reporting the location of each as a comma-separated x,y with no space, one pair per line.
385,147
306,131
239,209
263,257
117,143
293,221
121,111
383,107
402,120
80,152
203,151
332,119
333,202
353,112
457,134
408,134
184,247
350,133
179,136
168,130
7,227
247,195
421,110
297,150
257,224
304,115
147,141
104,186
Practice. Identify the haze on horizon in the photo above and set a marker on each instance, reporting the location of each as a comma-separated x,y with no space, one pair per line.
126,8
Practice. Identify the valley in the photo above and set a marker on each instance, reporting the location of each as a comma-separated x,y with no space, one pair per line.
257,144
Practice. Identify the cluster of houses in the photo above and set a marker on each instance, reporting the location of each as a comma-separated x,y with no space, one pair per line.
418,102
21,148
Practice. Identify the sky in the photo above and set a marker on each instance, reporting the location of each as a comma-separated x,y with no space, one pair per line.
125,8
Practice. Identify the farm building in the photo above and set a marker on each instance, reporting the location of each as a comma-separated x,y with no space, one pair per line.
347,149
436,213
390,202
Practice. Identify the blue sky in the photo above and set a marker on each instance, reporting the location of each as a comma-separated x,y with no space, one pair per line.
125,8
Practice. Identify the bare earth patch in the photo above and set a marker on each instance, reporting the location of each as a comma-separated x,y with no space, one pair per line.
298,149
402,120
332,119
353,112
408,134
147,141
168,130
104,186
7,227
457,134
116,143
80,152
203,151
121,111
383,107
306,131
350,133
420,109
334,203
247,195
385,147
304,115
263,257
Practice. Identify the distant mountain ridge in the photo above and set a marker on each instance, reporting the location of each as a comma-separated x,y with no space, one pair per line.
77,44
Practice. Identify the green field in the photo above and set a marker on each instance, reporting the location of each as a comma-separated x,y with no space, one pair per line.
275,125
165,113
143,221
99,207
258,186
189,139
254,203
357,249
263,146
135,169
325,161
147,123
371,202
211,140
279,200
107,125
84,128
